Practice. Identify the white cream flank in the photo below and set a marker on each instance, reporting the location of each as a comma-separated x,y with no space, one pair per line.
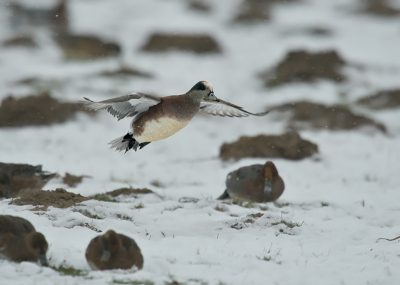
160,129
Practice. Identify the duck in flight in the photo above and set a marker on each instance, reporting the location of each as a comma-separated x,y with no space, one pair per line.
157,118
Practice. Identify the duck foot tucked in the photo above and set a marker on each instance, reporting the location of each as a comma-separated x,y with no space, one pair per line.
125,142
224,196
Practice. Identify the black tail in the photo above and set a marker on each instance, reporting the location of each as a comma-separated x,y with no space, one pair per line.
224,196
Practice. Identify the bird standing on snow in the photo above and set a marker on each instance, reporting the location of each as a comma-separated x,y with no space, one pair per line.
254,183
20,242
159,118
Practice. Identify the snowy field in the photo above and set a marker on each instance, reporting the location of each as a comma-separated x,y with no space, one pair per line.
340,202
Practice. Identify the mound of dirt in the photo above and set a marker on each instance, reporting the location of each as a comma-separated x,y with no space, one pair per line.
199,6
129,191
308,115
200,44
289,145
21,178
35,111
55,18
304,66
256,10
73,180
20,41
58,198
84,47
126,71
380,8
386,99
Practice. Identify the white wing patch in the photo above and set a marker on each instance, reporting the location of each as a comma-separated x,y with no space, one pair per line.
124,106
223,108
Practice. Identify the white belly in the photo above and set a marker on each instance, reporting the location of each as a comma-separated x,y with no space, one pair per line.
160,129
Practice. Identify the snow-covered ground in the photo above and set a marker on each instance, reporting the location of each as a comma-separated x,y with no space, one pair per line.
341,203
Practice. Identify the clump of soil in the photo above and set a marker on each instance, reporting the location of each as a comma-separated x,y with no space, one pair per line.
84,47
126,71
20,41
308,115
16,179
304,66
73,180
129,191
378,8
55,18
200,44
256,10
386,99
35,111
58,198
289,145
199,6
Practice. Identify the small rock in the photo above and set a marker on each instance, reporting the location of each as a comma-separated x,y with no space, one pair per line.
35,111
304,66
308,115
16,179
289,145
200,44
84,47
386,99
58,198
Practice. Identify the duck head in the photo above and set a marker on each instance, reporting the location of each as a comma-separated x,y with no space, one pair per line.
270,175
202,90
112,243
37,245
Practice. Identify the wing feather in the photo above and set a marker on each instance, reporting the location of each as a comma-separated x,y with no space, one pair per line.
123,106
223,108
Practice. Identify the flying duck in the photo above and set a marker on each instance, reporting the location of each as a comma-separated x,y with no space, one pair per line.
113,251
254,183
20,242
157,118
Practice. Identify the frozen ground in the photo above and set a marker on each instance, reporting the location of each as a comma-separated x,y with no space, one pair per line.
340,202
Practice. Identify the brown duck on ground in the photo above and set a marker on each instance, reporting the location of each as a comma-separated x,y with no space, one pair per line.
113,251
254,183
157,118
20,242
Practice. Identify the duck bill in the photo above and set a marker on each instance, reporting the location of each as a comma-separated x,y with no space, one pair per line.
267,188
43,260
106,256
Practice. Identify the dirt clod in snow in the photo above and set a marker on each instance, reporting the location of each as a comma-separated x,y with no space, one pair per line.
200,44
289,145
58,198
304,66
386,99
309,115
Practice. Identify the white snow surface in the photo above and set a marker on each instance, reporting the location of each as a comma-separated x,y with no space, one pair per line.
343,200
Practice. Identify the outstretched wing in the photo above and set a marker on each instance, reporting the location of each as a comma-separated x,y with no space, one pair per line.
222,108
123,106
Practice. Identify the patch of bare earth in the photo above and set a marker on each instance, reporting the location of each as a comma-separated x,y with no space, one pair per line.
20,41
308,115
58,198
73,180
84,47
200,44
381,8
386,99
304,66
289,145
36,110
